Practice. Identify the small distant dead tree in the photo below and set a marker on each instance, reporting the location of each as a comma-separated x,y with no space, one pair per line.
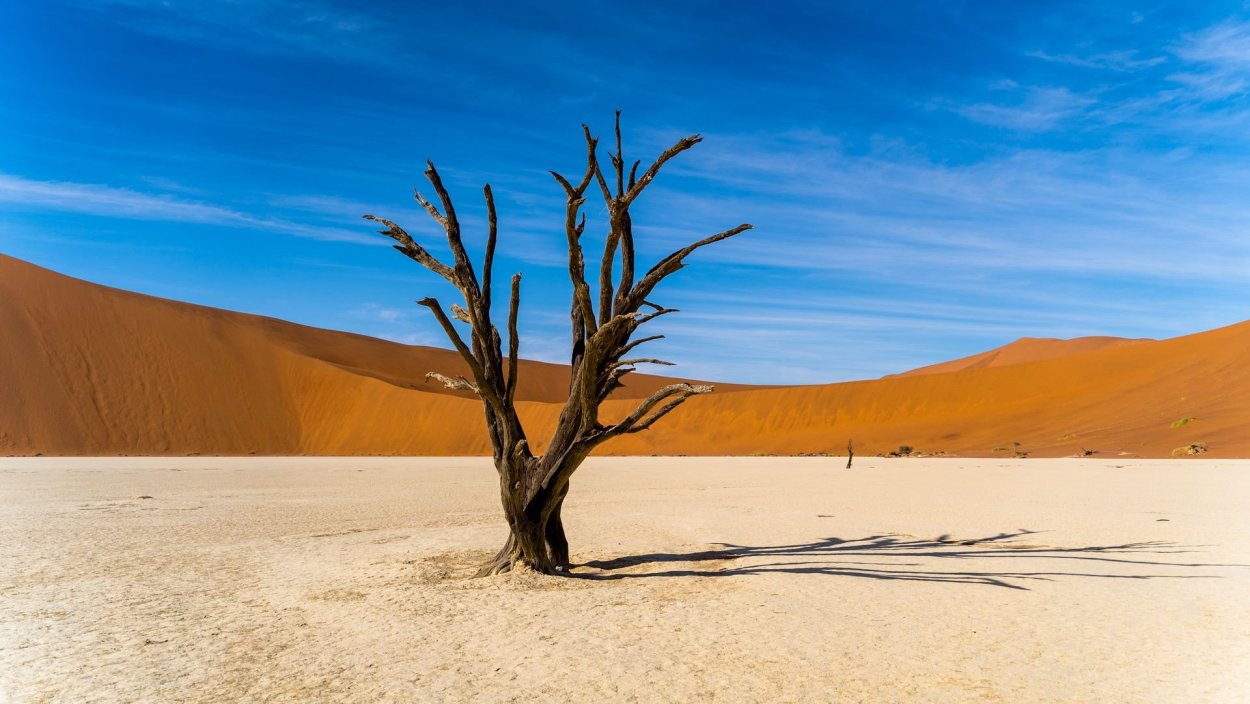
533,487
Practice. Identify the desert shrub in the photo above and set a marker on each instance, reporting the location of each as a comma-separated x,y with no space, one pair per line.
1183,422
1193,448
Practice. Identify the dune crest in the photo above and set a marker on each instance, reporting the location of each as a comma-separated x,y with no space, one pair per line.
91,370
1023,351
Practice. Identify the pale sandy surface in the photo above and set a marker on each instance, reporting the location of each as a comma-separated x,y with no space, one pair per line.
343,580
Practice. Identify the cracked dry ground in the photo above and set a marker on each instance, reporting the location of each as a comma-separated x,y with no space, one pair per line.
699,579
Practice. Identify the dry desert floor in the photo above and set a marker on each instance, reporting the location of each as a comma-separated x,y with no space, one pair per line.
699,579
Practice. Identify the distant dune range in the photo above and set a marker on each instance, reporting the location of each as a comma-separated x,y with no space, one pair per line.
91,370
1022,351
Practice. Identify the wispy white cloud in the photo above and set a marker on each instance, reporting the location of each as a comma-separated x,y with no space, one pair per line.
875,252
1030,209
261,26
1041,108
1226,45
375,312
333,206
169,185
1031,242
1219,59
1123,61
17,192
1199,73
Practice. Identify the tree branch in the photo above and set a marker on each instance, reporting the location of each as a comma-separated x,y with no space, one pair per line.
593,166
514,340
488,262
682,145
474,363
642,360
564,182
451,225
639,341
605,275
682,391
673,262
411,249
577,262
666,409
459,313
612,381
458,383
618,160
592,159
429,208
625,227
652,316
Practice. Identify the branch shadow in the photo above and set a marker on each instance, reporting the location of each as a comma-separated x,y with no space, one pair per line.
886,556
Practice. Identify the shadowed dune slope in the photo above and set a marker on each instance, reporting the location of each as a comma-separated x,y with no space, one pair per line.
86,369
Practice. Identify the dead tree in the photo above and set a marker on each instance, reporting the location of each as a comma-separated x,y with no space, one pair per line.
533,487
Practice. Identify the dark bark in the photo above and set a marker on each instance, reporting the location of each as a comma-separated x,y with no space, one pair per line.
557,542
533,489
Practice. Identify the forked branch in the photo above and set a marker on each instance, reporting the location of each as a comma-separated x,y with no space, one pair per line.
467,279
649,175
458,383
673,262
675,393
411,249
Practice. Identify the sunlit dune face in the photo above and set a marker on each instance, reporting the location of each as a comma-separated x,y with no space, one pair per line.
101,371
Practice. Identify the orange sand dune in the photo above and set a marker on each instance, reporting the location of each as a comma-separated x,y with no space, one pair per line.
1026,349
86,369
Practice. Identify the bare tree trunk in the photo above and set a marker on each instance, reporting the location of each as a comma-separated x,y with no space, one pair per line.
501,562
557,543
526,546
536,536
532,489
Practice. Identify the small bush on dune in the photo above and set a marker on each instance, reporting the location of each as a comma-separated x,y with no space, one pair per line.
1183,422
1193,448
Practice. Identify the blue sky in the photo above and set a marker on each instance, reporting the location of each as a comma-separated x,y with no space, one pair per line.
927,180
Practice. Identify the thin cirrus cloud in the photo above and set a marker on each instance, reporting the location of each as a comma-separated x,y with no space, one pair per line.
1126,60
1040,108
1052,170
1205,66
1157,218
1220,61
99,200
258,26
1225,45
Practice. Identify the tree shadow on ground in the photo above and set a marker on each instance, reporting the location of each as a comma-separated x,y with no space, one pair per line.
886,557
